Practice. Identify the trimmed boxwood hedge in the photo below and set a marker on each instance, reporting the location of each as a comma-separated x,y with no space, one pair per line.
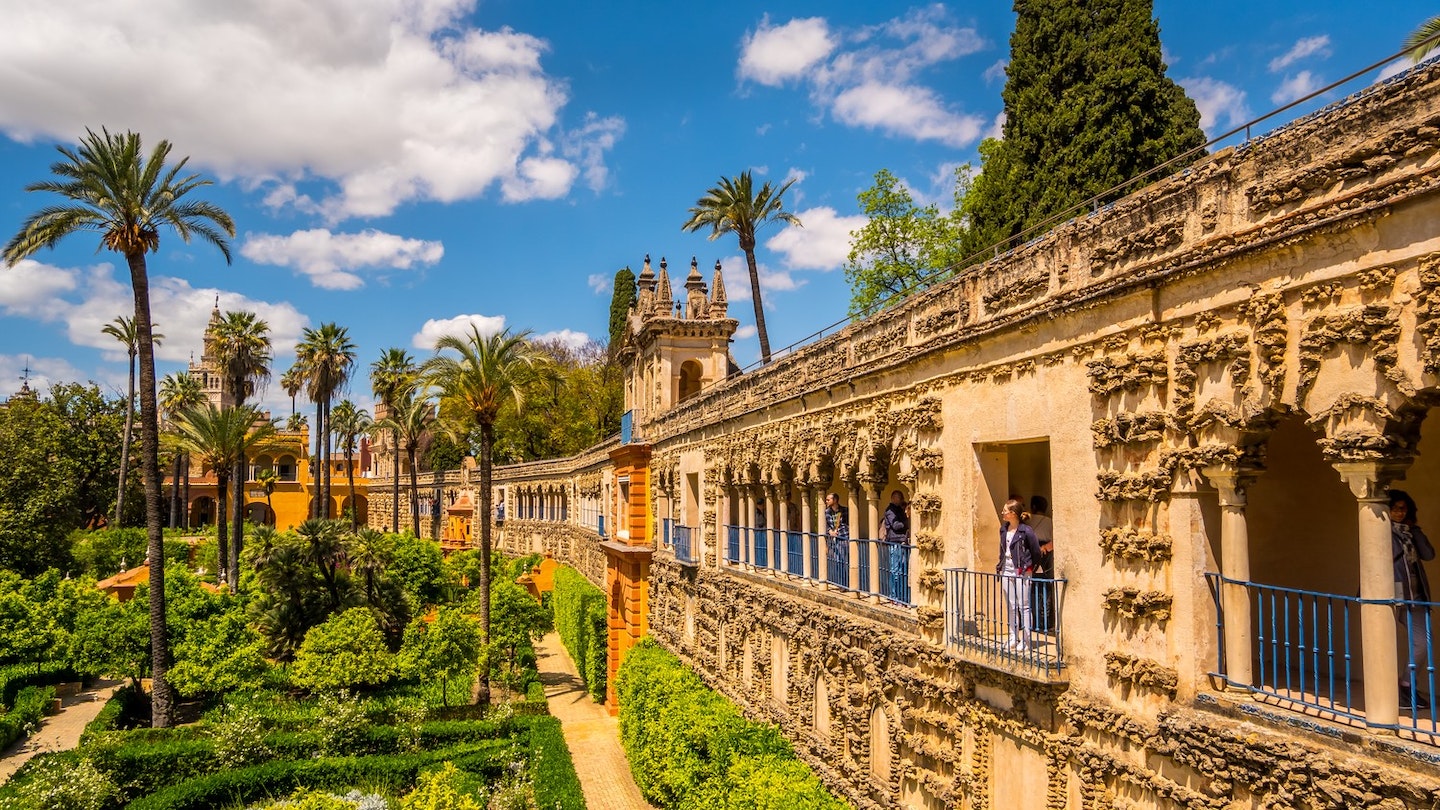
690,747
29,706
15,677
280,778
557,787
126,701
582,624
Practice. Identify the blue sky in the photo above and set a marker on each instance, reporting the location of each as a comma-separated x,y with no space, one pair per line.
404,166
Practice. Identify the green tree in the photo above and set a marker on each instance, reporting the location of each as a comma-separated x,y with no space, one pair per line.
93,429
112,639
409,423
348,423
346,651
1424,40
392,380
418,565
112,188
903,248
734,206
445,648
485,376
25,630
242,350
180,392
220,654
39,499
293,595
622,298
217,436
325,357
517,622
123,330
1087,106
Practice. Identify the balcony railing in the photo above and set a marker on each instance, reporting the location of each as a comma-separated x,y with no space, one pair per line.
868,567
684,549
1305,653
667,526
1011,619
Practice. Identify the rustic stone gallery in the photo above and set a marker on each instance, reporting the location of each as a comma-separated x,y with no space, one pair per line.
1213,383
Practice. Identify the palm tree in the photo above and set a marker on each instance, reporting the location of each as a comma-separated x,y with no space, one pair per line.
242,350
293,381
392,378
297,422
408,423
348,423
112,188
217,436
325,356
486,375
734,207
1424,40
123,330
267,478
180,392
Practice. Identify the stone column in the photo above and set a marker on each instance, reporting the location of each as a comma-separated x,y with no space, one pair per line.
772,522
1368,480
856,498
872,550
808,538
1231,481
782,508
747,520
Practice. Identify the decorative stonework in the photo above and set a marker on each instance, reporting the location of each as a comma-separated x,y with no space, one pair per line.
1132,603
1129,543
1126,372
1143,672
1376,327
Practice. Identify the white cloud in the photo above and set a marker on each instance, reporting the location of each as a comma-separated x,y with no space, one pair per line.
868,77
823,242
771,55
366,105
44,372
996,72
1221,104
331,259
566,337
1298,86
599,282
32,289
1395,68
1302,49
906,110
434,329
737,280
997,127
746,332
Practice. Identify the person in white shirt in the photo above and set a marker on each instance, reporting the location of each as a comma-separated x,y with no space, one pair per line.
1042,588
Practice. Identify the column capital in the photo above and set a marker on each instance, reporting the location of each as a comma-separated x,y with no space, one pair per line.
1231,480
1368,479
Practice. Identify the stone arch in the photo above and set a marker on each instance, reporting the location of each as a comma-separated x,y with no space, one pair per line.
260,513
821,710
779,669
690,380
285,467
880,744
202,511
361,505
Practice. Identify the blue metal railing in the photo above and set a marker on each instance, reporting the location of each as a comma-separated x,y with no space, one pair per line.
837,562
895,571
761,556
1006,618
794,553
684,550
667,526
1305,645
732,545
600,525
627,427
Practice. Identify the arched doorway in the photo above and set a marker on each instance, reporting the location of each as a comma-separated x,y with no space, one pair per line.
690,372
202,511
260,513
360,504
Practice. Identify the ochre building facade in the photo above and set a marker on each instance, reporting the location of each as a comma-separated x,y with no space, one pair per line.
1213,381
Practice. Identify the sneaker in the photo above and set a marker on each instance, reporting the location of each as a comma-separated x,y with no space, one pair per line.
1421,703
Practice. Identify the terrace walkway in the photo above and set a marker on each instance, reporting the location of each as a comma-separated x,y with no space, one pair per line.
592,734
60,731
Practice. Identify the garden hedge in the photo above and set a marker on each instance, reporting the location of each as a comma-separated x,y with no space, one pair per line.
280,778
27,709
557,787
581,621
15,677
126,701
690,747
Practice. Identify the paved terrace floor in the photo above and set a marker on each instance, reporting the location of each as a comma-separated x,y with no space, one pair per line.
61,731
592,734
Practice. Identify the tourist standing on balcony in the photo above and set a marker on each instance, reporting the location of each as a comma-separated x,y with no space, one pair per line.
1042,589
837,539
896,536
1018,552
1410,547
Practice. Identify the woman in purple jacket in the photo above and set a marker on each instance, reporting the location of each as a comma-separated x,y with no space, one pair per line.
1019,550
1411,548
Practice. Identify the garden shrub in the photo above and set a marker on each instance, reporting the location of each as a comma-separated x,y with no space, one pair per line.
240,740
557,787
140,768
30,705
58,785
581,621
123,706
16,677
445,789
348,650
690,747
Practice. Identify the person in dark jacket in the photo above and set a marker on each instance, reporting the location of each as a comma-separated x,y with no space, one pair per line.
897,537
837,540
1019,551
1410,548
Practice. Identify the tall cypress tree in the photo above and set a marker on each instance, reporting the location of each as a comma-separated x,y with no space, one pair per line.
1087,107
621,300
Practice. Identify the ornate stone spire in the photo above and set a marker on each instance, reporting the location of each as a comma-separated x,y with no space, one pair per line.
646,279
664,296
695,303
719,304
